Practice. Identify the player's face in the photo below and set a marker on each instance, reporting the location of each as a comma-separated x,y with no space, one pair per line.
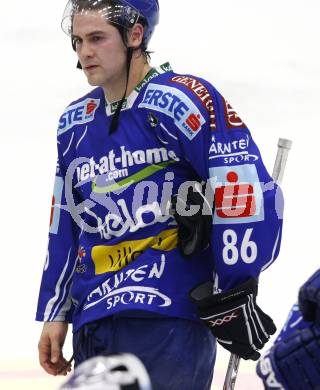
100,50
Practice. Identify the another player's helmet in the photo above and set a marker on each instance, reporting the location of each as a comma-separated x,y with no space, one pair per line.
120,12
111,372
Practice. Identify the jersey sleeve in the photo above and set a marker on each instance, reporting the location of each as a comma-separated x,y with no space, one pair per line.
54,303
208,134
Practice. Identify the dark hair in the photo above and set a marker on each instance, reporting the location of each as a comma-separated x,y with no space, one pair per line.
98,5
123,32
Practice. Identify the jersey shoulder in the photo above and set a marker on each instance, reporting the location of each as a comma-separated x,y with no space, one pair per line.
186,100
188,83
175,92
81,111
185,86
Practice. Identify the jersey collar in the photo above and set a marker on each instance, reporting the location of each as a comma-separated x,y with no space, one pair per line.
129,101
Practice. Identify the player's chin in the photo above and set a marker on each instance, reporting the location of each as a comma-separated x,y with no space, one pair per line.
93,80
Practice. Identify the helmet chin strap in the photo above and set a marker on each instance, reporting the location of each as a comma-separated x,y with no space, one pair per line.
116,116
73,44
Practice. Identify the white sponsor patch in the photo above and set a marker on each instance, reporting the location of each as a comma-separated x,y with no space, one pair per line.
56,201
238,194
177,105
78,114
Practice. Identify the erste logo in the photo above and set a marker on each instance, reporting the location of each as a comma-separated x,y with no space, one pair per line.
175,104
78,114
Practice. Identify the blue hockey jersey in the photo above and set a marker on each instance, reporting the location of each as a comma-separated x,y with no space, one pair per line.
112,242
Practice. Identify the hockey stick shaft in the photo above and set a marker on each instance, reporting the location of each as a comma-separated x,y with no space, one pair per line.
284,146
232,372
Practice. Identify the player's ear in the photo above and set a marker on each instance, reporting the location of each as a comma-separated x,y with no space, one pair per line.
135,36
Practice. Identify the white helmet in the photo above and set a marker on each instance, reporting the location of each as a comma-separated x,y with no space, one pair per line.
113,372
124,13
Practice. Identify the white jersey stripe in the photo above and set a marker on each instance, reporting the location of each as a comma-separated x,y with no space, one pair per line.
68,301
54,299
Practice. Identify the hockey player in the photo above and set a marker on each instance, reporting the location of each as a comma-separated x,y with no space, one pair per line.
293,362
120,266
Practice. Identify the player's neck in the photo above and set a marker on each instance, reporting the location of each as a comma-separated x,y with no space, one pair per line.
138,70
